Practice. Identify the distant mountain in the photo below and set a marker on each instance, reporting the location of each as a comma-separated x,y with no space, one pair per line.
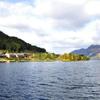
91,51
14,44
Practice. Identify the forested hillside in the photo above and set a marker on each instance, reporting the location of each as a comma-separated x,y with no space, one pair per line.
14,44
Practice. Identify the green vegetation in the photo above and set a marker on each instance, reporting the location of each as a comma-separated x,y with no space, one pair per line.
44,57
55,57
36,57
72,57
13,44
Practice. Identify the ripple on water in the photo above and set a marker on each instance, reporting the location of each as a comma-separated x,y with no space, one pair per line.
50,81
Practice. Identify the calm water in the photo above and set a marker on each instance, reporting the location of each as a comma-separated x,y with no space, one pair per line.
50,81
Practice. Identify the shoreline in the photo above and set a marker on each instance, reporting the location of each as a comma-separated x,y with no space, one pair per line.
41,57
23,60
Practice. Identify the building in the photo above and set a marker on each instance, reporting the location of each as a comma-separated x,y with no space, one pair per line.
2,55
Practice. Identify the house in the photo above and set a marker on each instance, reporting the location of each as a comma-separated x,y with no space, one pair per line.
20,55
7,55
13,55
2,55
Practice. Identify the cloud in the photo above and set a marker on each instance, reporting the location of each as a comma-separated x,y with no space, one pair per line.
70,16
92,8
57,25
16,1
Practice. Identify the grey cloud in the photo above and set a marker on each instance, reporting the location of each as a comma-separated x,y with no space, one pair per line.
70,16
40,32
96,38
64,45
68,47
27,28
20,27
71,44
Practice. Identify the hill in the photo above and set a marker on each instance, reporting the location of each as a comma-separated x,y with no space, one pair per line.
14,44
91,51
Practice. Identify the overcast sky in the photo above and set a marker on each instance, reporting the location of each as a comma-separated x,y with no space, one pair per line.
57,25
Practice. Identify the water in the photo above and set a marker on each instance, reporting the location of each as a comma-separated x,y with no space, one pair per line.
50,81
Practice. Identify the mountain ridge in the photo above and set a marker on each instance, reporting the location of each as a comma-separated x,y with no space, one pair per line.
90,51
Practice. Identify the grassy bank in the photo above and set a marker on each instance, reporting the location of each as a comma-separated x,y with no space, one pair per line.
44,57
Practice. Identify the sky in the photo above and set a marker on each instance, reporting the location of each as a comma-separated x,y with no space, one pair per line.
59,26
